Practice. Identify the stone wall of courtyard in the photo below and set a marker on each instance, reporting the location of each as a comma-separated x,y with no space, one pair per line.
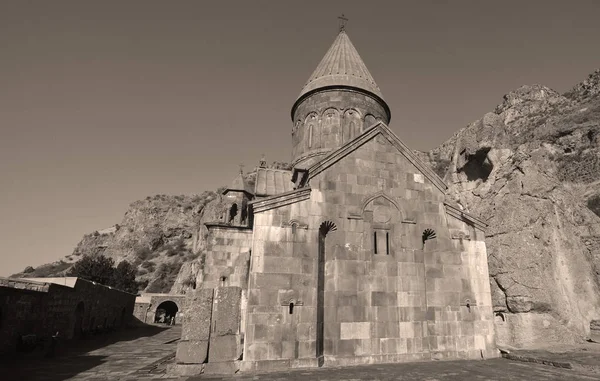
41,307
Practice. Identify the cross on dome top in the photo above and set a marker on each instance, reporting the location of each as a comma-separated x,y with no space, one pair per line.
343,21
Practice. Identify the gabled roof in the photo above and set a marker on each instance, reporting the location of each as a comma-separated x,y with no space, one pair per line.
271,181
279,200
378,128
342,66
238,185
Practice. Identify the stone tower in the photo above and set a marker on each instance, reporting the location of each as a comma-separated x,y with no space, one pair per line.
236,198
339,101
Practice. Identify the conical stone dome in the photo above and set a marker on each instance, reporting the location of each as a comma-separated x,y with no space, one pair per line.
339,102
342,66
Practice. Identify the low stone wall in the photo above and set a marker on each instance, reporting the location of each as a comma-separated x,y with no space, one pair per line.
33,307
22,311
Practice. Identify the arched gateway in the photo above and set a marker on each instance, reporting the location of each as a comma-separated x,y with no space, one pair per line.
166,312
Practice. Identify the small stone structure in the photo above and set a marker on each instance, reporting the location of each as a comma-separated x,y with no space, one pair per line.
352,257
39,307
147,304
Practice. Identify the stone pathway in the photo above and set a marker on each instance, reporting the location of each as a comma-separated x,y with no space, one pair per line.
144,353
137,354
488,370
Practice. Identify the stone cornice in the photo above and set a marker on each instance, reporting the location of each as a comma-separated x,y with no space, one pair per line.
464,216
280,200
222,225
312,153
367,135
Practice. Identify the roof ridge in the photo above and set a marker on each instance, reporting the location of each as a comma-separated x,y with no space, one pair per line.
380,127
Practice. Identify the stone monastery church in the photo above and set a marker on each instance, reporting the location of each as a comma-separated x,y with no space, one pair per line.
352,257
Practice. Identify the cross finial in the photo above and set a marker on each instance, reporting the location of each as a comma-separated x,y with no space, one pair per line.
263,162
242,168
343,21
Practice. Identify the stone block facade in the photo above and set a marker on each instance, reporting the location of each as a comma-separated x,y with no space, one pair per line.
227,256
211,332
345,274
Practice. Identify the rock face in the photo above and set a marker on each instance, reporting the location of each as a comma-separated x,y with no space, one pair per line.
531,170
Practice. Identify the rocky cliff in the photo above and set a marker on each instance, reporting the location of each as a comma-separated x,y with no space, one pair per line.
531,170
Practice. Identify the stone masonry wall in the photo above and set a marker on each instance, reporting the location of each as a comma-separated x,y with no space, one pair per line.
228,260
103,306
336,116
43,313
283,271
211,340
21,312
140,312
227,256
407,302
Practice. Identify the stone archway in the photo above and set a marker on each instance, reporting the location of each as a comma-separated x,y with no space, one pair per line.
166,311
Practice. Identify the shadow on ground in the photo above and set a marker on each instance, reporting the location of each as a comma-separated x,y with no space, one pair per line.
70,358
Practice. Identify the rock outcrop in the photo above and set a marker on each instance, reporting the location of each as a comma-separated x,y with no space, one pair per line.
531,170
163,236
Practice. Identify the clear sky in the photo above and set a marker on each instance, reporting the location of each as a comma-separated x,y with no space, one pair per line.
106,102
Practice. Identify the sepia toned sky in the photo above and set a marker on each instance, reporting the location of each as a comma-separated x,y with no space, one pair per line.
106,102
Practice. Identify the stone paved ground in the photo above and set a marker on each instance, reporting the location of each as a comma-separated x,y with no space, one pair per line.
143,353
136,354
488,370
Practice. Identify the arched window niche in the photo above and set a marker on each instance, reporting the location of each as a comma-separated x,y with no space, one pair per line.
381,213
325,230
